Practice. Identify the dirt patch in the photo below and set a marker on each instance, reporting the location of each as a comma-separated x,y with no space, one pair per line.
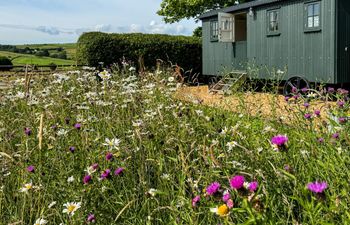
255,104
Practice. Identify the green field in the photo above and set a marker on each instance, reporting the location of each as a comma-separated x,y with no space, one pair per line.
23,59
70,48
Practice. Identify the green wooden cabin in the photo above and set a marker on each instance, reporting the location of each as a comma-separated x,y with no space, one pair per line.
311,39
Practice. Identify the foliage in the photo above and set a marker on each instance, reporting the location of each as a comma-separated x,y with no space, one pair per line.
176,10
96,47
171,151
198,32
23,59
4,61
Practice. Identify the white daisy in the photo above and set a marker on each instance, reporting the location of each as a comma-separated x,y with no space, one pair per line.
112,143
71,207
40,222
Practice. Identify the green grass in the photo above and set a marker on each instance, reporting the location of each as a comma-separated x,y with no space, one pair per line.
171,151
23,59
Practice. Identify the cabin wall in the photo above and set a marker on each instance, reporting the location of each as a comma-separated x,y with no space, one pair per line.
311,55
221,57
343,41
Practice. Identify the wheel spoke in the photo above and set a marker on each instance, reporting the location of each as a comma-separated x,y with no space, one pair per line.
298,83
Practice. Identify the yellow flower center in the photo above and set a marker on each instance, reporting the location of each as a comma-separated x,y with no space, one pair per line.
71,208
223,210
28,186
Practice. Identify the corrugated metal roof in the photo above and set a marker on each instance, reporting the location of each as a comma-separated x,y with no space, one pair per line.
239,7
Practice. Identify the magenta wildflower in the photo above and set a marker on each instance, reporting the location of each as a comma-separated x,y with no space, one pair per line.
342,91
294,90
119,171
106,174
109,156
213,188
279,140
317,187
77,126
54,127
27,131
286,98
195,200
31,169
87,179
287,168
226,196
237,182
296,97
253,186
91,218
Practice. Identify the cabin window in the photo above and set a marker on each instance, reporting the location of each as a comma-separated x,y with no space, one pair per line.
214,30
313,16
273,22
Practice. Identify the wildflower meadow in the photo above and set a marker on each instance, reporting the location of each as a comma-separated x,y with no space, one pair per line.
116,147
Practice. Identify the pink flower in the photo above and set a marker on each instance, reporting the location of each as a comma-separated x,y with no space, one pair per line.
87,179
31,169
237,182
317,187
229,203
213,188
226,196
253,186
109,156
119,171
195,200
279,140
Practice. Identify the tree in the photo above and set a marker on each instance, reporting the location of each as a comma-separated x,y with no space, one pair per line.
176,10
197,32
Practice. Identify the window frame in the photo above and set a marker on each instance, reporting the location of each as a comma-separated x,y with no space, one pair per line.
306,17
278,21
212,37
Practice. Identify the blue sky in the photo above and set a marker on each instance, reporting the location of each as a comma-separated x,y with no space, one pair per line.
62,21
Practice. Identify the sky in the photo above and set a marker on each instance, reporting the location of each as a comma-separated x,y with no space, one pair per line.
62,21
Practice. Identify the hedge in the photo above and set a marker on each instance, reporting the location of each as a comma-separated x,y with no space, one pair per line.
95,47
4,61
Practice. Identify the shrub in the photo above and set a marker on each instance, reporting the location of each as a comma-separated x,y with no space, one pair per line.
53,66
4,61
95,47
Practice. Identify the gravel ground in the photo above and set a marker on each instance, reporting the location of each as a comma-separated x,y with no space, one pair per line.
255,104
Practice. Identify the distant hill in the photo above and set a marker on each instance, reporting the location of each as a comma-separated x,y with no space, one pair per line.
23,59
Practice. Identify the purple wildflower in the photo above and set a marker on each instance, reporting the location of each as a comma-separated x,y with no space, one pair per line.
294,90
331,90
341,104
317,112
72,149
213,188
91,218
27,131
77,126
119,171
31,169
109,156
296,97
279,140
237,182
335,136
307,116
195,200
54,127
342,91
306,105
342,120
87,179
304,90
317,187
253,186
287,168
286,98
320,140
106,174
94,166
